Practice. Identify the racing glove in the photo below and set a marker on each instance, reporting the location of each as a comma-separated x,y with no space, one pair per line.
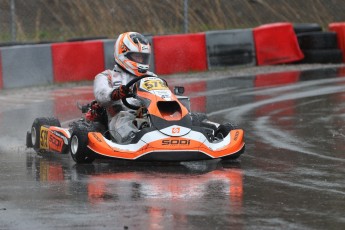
94,112
119,93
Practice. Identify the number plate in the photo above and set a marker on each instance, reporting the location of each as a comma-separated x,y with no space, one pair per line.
44,138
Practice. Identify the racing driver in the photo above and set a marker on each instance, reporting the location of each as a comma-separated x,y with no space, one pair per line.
132,54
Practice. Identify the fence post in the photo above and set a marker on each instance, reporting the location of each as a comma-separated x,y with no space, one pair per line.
13,21
185,14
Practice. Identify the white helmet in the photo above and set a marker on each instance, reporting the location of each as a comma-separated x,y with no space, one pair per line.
132,52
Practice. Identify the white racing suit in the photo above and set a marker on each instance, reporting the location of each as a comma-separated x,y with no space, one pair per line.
120,119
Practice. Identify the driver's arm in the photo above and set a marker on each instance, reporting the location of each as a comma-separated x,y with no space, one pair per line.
104,91
102,88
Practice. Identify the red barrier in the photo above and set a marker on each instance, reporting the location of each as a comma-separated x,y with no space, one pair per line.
276,44
77,61
339,28
1,81
180,53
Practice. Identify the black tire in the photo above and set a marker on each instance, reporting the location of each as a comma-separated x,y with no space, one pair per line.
318,40
306,27
226,55
36,127
78,145
323,56
223,130
197,118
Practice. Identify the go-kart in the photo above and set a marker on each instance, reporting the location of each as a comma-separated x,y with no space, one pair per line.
170,132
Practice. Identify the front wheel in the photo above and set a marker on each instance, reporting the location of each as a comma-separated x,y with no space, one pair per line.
78,146
223,130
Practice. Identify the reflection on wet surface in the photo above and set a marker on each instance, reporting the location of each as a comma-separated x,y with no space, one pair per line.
156,195
291,175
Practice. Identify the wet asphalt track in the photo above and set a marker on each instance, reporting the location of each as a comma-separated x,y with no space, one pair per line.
290,177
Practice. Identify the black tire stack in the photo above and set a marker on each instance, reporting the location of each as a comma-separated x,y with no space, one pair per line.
317,46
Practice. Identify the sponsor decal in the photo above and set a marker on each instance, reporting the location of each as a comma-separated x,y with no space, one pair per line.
96,137
176,130
55,142
44,137
236,135
175,142
61,136
165,94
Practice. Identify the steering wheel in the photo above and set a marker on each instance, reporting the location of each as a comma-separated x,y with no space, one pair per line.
129,95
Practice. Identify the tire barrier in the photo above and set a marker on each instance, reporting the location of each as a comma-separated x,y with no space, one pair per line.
77,61
230,48
339,29
27,65
323,56
319,47
306,28
276,44
317,40
179,53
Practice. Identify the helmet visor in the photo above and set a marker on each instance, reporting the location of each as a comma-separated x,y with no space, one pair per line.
142,58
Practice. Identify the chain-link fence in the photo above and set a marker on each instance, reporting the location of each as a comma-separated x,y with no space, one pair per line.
59,20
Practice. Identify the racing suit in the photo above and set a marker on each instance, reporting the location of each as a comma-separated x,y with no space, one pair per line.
120,118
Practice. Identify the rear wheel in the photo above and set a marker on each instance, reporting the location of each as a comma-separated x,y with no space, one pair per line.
78,145
34,141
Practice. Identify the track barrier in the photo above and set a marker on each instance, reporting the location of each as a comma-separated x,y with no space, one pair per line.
26,65
77,61
339,28
276,44
179,53
41,64
230,48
